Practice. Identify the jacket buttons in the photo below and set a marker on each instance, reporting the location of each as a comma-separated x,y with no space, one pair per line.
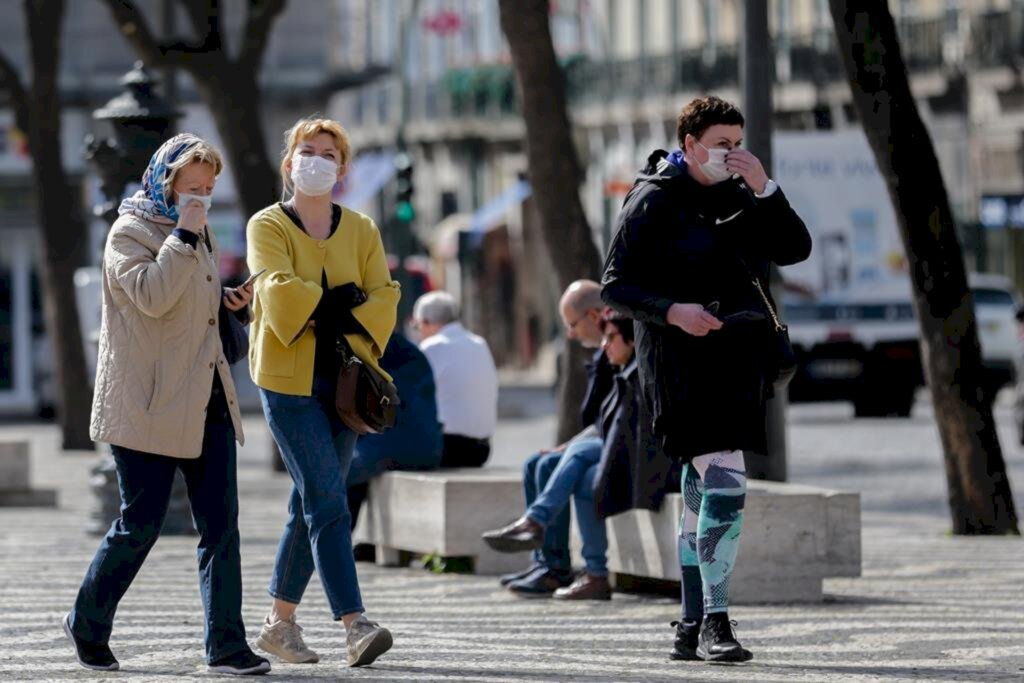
212,321
209,278
211,366
320,244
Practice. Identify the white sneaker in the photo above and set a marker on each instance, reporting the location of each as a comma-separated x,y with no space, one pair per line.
284,639
366,641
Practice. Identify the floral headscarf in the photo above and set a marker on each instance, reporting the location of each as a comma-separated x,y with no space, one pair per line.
151,202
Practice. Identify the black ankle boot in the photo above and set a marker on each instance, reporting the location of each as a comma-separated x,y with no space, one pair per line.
717,642
687,634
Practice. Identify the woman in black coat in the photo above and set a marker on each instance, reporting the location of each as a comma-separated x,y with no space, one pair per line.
698,227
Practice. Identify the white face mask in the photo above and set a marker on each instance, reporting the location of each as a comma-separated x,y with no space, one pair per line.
312,175
183,199
714,168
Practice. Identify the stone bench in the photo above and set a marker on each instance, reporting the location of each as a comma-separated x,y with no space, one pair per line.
16,480
442,512
794,536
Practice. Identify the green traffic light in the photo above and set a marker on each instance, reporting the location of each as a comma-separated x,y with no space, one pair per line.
405,212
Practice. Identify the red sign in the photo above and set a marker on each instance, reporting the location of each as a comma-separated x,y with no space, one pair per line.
445,22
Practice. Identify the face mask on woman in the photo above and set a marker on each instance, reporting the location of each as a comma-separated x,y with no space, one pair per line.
312,175
204,199
714,168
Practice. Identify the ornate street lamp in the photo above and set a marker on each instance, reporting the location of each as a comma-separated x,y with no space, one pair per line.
141,120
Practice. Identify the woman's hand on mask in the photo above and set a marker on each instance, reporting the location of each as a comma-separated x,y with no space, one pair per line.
237,298
192,217
748,167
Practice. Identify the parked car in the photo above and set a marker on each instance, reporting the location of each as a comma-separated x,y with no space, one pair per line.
863,346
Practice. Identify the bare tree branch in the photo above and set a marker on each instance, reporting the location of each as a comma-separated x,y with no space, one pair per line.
134,27
258,24
205,18
10,82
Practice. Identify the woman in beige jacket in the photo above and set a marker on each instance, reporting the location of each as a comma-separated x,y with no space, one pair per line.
165,400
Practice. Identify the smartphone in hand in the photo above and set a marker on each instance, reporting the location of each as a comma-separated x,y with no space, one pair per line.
252,278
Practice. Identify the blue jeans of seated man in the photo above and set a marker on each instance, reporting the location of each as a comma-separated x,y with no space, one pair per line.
537,471
316,448
574,476
145,482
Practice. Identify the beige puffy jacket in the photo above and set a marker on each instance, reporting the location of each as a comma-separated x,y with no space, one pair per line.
159,342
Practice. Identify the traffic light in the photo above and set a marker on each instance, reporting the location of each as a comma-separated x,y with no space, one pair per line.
404,210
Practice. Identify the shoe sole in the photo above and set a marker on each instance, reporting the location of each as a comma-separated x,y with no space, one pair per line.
283,654
92,667
512,545
531,596
556,596
251,671
379,643
732,656
686,655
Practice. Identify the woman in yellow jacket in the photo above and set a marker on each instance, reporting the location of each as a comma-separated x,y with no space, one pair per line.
326,276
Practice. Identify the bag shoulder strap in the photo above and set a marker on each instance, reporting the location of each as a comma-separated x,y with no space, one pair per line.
756,281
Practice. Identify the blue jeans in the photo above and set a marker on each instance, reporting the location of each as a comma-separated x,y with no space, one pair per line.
574,477
145,482
554,554
316,448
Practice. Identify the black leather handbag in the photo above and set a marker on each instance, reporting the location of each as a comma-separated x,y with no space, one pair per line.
780,357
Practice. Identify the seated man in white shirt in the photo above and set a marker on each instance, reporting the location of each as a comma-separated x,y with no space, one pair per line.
466,380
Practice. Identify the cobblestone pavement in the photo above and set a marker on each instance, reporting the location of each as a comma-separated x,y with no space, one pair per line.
929,607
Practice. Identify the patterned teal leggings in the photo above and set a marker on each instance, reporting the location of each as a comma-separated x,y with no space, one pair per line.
714,491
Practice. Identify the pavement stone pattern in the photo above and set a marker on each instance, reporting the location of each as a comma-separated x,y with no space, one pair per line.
929,607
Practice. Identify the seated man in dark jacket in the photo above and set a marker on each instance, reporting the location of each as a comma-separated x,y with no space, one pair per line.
414,443
615,470
581,310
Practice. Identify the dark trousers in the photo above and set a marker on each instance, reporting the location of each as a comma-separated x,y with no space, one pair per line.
145,482
463,451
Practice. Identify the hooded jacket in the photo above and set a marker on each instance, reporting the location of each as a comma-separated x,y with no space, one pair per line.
677,241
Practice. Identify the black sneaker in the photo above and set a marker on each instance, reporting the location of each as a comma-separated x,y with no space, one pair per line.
717,642
244,663
506,579
90,655
687,634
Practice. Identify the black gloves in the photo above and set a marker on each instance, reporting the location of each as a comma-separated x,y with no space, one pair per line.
340,302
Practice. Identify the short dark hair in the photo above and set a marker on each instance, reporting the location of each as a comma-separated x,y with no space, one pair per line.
704,112
622,323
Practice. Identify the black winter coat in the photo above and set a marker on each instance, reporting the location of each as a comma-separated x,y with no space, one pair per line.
633,471
680,241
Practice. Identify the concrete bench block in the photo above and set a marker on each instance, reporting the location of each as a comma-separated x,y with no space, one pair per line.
443,512
15,478
14,466
793,537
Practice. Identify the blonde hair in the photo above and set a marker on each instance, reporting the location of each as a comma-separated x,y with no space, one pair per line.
200,153
307,128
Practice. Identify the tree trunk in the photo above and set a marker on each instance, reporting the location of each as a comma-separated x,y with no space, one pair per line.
64,233
979,491
757,78
554,173
234,100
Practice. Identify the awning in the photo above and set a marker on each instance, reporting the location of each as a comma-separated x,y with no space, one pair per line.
493,211
369,174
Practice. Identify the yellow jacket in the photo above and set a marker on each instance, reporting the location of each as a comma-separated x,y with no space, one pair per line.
282,343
